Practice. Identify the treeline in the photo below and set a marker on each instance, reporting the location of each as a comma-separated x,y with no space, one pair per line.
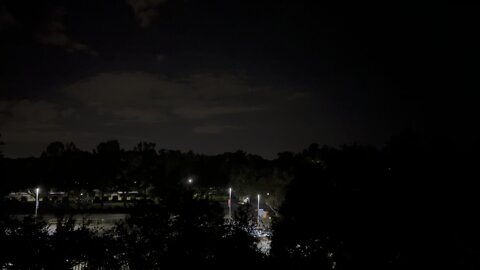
400,207
193,233
108,167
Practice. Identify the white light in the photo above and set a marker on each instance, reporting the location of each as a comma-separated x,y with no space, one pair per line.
190,180
258,210
230,203
36,202
268,194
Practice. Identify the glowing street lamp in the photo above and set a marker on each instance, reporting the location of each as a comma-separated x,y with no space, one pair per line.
230,203
190,180
258,210
36,201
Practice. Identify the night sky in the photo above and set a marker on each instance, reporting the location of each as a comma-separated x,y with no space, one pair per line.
216,76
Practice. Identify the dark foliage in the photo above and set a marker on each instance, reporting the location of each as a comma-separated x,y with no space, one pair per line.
354,207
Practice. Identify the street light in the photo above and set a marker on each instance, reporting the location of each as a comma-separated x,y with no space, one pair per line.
36,202
258,210
230,203
190,180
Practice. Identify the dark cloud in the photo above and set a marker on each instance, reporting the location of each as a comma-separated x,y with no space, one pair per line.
46,24
138,115
55,35
26,115
199,111
25,122
146,11
214,129
6,17
148,98
212,75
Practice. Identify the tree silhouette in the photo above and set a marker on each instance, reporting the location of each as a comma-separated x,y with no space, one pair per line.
1,145
107,170
3,186
349,207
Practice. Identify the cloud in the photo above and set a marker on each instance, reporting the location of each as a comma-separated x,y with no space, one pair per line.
46,26
7,18
147,98
139,115
299,95
54,35
213,129
30,121
160,57
205,112
146,10
24,115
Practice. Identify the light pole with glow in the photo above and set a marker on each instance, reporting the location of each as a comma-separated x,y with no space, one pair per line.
36,201
230,203
258,210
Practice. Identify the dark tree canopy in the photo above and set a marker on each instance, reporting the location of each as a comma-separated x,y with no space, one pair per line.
350,207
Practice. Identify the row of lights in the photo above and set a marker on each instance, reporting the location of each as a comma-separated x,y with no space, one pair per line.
230,205
190,181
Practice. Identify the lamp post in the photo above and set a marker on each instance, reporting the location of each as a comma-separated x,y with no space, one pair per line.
36,202
258,210
230,203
